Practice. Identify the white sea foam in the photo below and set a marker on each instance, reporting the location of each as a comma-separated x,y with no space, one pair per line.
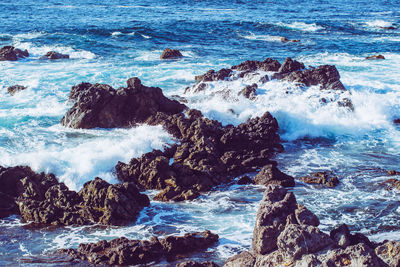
91,153
379,23
116,33
301,26
268,38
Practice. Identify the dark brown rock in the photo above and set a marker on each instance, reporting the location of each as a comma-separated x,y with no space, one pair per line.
99,105
249,91
252,65
12,90
122,251
375,57
389,252
170,54
326,178
54,55
393,183
270,174
196,264
213,75
290,65
10,53
245,180
244,259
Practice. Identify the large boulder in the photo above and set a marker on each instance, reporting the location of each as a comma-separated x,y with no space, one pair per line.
10,53
122,251
99,105
170,54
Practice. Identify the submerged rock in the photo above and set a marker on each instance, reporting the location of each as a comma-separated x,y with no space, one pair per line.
375,57
326,178
42,200
12,90
10,53
249,91
170,54
287,234
99,105
54,55
122,251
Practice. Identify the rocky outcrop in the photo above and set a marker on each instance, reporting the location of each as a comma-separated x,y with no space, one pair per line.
249,91
196,264
99,105
54,55
12,90
326,178
40,199
122,251
10,53
170,54
208,155
270,174
375,57
389,252
287,234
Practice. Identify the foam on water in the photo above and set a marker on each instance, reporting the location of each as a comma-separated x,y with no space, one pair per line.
268,38
379,23
301,26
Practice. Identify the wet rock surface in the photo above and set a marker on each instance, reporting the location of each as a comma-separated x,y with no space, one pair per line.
54,55
208,155
122,251
12,90
40,199
170,54
326,178
100,105
10,53
287,234
270,174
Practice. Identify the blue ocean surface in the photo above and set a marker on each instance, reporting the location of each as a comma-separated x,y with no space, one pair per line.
111,41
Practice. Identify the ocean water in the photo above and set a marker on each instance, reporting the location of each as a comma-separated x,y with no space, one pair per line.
112,41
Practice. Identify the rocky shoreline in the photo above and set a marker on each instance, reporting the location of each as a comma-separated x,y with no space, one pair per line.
206,154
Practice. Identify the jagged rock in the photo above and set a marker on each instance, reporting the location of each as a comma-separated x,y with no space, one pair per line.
10,53
327,76
99,105
290,65
196,264
42,200
389,252
213,75
251,65
249,91
244,259
346,102
170,54
122,251
375,57
393,183
245,180
270,174
305,217
12,90
326,178
54,55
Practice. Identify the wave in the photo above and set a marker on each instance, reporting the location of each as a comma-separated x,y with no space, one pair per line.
301,26
379,23
268,38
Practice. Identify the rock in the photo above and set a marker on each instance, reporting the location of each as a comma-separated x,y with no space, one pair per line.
196,264
375,57
393,183
393,172
345,102
290,65
122,251
213,75
389,252
244,259
305,217
249,91
298,240
326,178
251,65
99,105
396,121
10,53
327,76
12,90
170,54
54,55
285,40
245,180
388,28
270,174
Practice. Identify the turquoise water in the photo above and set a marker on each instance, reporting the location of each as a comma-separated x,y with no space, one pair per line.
111,42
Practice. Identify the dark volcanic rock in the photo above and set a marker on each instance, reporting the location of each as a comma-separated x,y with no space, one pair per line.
213,75
375,57
99,105
252,65
170,54
326,76
287,234
245,180
10,53
326,178
122,251
196,264
290,65
270,174
249,91
54,55
42,200
12,90
393,183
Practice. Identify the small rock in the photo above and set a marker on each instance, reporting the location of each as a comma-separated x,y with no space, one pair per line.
393,183
389,252
270,174
12,90
393,172
170,54
245,180
249,91
324,178
10,53
54,55
375,57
